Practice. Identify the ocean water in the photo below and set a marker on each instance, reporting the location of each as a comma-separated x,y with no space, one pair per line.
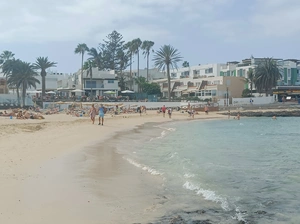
222,171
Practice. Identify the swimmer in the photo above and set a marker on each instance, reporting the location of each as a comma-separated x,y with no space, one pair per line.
274,118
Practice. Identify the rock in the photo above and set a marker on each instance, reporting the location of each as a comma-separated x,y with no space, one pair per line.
177,220
201,211
261,212
201,222
283,113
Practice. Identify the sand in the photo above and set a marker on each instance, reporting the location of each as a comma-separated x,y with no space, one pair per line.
61,170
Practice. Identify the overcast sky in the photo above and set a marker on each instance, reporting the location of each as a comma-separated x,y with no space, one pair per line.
204,31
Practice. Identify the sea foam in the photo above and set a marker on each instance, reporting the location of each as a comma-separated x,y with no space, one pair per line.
143,167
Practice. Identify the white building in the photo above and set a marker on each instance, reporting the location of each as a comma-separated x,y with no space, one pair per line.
153,74
52,80
198,71
99,83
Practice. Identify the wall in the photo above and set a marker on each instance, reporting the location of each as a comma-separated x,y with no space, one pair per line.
256,100
111,86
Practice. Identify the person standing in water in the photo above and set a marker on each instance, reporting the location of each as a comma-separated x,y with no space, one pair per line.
101,114
93,113
238,116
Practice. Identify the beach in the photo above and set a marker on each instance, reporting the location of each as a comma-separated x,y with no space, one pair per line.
62,170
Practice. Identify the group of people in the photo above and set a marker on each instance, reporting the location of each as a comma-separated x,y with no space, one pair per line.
100,111
168,110
22,114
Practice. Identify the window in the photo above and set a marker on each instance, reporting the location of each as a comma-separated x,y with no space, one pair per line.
196,72
111,81
209,70
90,84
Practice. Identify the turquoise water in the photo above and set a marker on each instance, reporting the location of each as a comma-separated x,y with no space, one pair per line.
246,170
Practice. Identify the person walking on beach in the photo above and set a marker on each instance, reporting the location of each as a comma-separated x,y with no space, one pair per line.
163,109
93,113
170,112
206,109
101,114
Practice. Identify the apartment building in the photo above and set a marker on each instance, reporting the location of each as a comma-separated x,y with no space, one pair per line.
100,82
198,71
213,88
153,74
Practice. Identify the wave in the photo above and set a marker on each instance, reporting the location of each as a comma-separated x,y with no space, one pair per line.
143,167
189,175
212,196
163,134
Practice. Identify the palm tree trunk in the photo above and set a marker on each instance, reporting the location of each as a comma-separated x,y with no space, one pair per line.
23,94
43,86
82,55
169,82
18,96
148,67
130,71
251,87
138,64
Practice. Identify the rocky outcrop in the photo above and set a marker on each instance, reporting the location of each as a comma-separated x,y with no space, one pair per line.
271,113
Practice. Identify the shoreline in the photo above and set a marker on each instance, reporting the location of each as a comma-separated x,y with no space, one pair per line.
35,170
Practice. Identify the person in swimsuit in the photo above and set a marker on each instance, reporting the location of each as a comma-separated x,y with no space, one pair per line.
93,113
101,114
163,109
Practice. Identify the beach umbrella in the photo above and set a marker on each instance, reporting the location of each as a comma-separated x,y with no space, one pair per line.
77,91
51,92
127,91
34,91
109,92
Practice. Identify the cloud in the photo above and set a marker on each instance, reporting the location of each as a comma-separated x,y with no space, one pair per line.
89,20
277,18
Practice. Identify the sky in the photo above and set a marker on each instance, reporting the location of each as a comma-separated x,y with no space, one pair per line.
204,31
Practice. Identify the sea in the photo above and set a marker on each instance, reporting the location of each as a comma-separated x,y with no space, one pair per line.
222,171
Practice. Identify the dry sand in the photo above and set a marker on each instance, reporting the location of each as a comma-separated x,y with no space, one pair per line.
58,170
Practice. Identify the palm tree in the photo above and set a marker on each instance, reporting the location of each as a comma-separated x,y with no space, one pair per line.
88,66
9,70
140,81
6,55
22,75
146,47
267,73
123,62
136,50
42,64
185,64
250,79
81,49
166,57
96,58
27,77
129,46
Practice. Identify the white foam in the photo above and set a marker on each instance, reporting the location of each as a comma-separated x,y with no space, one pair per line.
189,175
239,215
207,194
173,155
146,168
162,134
